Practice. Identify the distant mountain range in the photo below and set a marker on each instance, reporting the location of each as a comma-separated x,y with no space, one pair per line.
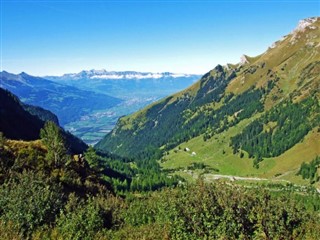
128,84
112,75
67,102
260,116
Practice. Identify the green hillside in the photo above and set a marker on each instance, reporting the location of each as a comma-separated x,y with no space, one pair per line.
252,118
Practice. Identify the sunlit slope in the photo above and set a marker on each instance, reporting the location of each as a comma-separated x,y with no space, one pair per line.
264,109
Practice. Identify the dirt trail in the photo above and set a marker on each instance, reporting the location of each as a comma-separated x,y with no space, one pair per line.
233,178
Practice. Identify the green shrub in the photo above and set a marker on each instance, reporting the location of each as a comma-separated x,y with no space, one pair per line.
29,201
80,219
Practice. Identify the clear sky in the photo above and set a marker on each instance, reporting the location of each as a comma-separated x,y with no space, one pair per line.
52,37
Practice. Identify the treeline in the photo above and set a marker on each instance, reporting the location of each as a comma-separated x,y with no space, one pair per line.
208,122
130,175
164,122
240,107
310,170
279,129
167,126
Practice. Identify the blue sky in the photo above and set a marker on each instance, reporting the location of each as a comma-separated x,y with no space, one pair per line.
55,37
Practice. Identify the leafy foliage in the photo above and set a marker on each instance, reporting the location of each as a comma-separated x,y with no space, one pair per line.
35,185
29,201
221,211
80,219
92,158
42,200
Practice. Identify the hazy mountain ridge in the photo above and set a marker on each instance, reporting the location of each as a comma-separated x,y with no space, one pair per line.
226,96
13,115
108,75
68,103
128,84
42,114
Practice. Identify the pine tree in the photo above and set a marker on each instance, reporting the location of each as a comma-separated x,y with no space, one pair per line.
52,138
92,158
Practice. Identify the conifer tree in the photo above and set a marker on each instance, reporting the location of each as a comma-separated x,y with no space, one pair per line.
92,158
52,138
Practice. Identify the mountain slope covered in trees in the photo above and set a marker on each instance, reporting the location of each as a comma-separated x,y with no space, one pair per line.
23,122
279,89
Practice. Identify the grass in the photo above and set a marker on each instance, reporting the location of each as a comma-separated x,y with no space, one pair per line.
217,153
19,144
291,160
286,61
283,64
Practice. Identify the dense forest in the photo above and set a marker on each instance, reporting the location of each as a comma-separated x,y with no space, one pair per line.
278,129
47,194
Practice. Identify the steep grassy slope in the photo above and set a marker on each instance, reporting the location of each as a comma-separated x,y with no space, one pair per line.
279,88
292,63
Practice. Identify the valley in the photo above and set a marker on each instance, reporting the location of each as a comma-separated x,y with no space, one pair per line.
93,127
88,104
258,118
233,153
